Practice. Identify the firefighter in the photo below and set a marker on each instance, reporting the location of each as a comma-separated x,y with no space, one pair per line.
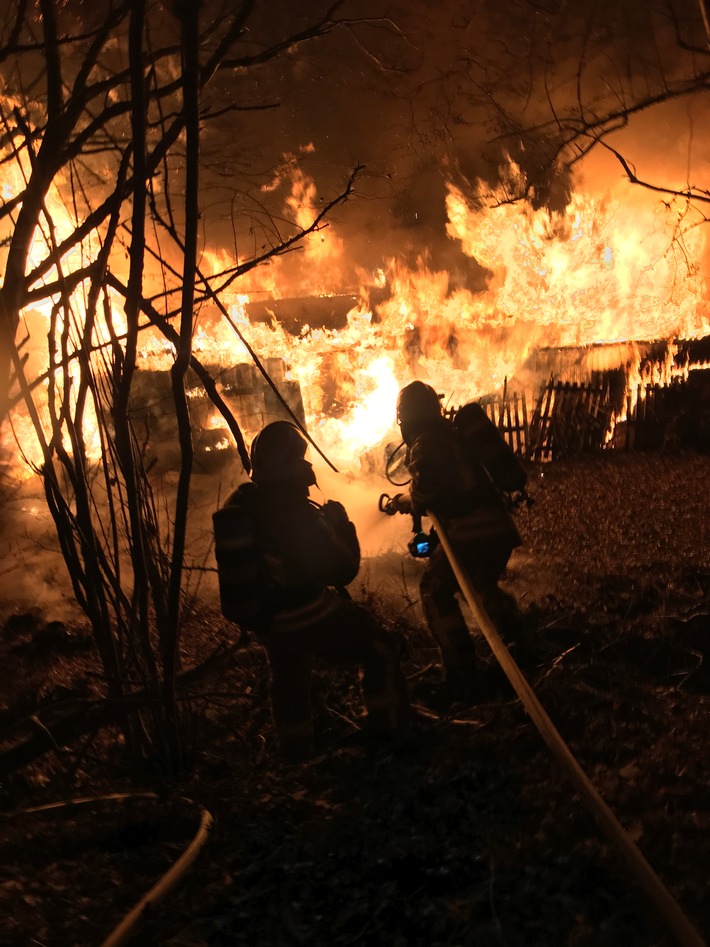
449,480
311,553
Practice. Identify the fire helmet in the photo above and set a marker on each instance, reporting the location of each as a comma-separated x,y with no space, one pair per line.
278,453
417,402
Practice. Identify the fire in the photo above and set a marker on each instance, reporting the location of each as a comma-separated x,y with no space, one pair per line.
606,269
370,418
324,250
47,318
611,267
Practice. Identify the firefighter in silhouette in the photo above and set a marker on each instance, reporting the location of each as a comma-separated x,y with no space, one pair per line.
454,467
283,563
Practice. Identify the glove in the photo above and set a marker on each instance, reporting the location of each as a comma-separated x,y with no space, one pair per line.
335,513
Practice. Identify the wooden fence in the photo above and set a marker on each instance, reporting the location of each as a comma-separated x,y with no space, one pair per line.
569,419
509,413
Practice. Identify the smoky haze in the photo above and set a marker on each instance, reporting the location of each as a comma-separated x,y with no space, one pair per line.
424,93
33,574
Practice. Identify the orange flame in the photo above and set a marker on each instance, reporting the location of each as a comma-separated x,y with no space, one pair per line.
610,267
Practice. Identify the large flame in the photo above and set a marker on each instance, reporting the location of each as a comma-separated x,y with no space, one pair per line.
617,266
611,267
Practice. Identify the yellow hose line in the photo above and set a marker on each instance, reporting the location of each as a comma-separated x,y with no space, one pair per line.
660,897
125,931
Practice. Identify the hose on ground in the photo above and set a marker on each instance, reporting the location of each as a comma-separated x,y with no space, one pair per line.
661,900
127,928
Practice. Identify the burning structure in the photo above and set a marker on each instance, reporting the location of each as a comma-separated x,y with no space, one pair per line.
564,304
570,297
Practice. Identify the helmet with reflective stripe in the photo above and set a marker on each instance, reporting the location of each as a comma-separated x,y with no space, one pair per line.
417,402
278,453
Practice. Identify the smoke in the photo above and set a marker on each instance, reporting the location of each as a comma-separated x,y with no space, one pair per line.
427,93
32,571
33,575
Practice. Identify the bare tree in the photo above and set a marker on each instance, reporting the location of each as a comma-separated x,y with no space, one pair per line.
575,75
102,120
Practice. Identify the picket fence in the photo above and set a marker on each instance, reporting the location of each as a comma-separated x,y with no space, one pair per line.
570,418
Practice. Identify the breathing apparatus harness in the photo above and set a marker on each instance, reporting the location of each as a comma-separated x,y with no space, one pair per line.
422,544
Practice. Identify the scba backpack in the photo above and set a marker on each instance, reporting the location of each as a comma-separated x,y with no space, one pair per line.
245,588
484,443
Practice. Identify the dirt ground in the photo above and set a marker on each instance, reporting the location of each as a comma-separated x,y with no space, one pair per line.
468,832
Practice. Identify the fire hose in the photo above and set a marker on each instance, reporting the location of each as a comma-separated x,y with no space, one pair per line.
661,899
126,929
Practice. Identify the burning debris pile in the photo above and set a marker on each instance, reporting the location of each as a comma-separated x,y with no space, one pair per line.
253,399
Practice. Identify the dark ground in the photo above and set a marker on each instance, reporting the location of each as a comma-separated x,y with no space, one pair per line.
470,833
